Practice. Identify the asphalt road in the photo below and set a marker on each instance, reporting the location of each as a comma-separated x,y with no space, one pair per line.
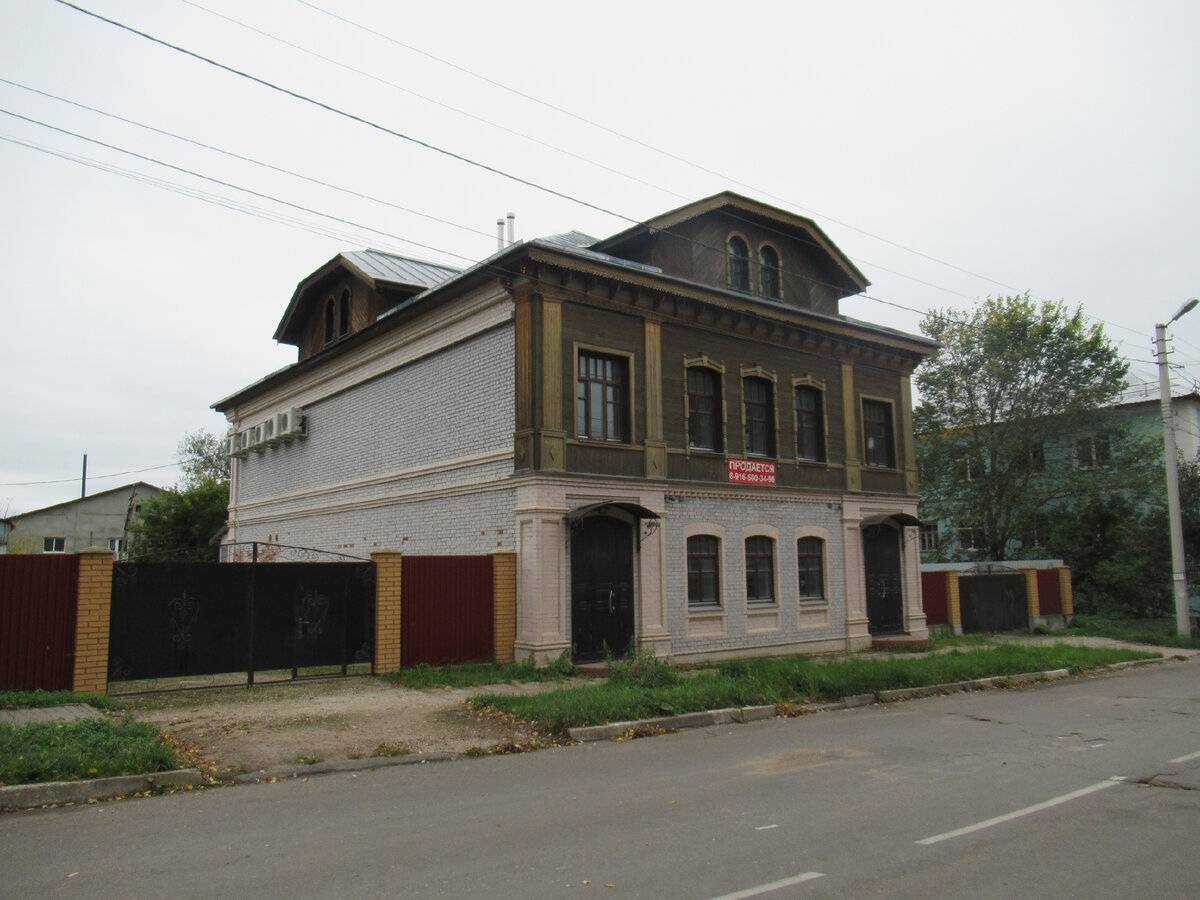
1089,787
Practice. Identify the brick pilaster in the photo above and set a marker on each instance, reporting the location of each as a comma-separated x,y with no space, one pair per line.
953,602
1033,599
504,600
1065,591
92,620
389,595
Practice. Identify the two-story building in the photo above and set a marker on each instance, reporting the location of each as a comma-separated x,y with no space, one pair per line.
687,446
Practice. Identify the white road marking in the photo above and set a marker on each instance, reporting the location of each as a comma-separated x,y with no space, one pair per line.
1028,810
1188,758
765,827
773,886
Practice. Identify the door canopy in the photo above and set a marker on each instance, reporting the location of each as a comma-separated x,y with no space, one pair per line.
898,518
608,507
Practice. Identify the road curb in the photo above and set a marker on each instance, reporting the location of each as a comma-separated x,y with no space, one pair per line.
21,796
303,770
757,713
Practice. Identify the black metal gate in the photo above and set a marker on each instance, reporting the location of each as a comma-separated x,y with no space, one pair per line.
992,598
184,619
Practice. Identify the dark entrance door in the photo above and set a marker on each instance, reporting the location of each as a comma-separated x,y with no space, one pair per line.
885,593
601,588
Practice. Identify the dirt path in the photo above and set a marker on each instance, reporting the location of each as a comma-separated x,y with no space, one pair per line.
248,730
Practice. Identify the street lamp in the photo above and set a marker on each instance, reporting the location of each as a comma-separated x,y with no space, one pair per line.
1178,566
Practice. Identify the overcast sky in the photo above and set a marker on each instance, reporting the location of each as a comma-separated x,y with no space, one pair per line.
952,150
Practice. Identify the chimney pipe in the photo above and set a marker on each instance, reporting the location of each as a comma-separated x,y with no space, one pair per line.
499,235
512,228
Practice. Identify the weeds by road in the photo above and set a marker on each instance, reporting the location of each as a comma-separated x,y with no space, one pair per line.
1147,631
645,687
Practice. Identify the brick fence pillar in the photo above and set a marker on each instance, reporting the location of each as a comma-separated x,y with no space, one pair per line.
1033,599
389,595
92,620
953,603
504,603
1065,591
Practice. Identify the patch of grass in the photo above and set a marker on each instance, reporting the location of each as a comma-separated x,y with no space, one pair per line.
389,750
950,639
306,759
480,673
786,680
86,748
1161,632
36,699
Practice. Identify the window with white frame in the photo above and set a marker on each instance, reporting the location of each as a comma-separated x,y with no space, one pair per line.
54,545
929,536
1092,451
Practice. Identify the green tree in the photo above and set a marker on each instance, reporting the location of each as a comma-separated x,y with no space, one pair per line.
185,522
202,457
182,523
1009,424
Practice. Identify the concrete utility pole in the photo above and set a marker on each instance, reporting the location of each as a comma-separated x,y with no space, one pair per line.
1178,563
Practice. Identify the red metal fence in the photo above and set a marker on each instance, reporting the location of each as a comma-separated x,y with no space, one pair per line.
448,613
1049,592
935,598
38,598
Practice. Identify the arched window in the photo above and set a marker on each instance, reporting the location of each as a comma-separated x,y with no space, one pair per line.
704,571
810,424
344,315
768,274
329,314
704,408
810,557
760,570
739,264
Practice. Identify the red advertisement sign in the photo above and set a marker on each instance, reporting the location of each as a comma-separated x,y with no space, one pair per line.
748,471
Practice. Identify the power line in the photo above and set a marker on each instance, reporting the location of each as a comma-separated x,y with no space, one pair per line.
247,159
349,115
90,477
668,154
497,125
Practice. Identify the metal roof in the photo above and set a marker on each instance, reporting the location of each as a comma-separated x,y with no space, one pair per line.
380,266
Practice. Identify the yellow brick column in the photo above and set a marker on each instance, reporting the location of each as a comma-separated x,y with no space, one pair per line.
1065,590
1032,597
92,617
389,595
504,604
953,603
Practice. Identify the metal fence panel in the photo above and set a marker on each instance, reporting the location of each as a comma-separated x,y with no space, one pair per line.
38,599
448,613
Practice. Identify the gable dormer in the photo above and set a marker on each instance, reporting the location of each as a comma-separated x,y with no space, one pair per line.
734,242
349,293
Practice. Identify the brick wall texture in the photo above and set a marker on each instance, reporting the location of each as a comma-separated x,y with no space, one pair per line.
734,516
92,621
394,462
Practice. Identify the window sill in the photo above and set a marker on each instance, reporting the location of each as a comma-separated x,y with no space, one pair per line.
811,602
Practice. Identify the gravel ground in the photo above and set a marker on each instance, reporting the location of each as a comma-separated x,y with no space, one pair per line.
237,729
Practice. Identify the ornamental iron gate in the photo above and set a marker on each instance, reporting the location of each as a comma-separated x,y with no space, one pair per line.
992,598
186,619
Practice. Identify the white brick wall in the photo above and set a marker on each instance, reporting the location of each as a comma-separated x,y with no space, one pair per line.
735,516
386,462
